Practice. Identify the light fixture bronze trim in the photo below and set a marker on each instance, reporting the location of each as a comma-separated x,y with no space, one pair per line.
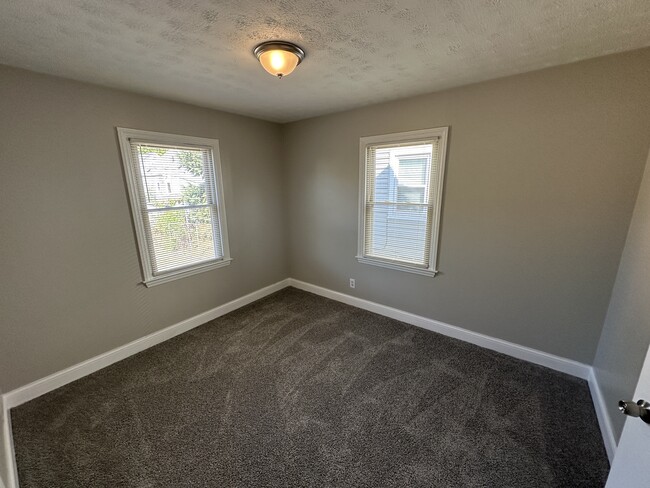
283,46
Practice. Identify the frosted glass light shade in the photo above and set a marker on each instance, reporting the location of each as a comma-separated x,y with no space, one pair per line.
279,58
279,63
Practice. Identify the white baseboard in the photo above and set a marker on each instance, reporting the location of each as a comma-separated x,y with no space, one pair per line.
574,368
604,419
40,387
9,462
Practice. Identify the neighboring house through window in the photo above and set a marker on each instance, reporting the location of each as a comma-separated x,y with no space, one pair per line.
176,194
401,178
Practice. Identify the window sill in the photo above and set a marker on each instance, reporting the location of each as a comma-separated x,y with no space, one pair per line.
397,266
183,273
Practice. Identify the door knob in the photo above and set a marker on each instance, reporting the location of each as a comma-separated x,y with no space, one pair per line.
639,409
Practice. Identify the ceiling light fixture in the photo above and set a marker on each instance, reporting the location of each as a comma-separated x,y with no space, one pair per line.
279,58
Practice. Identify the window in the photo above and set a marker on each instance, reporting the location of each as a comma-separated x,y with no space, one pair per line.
401,178
176,195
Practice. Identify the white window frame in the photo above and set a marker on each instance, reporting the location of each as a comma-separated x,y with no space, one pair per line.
134,184
435,197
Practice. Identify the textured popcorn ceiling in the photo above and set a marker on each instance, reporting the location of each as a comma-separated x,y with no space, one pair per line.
358,52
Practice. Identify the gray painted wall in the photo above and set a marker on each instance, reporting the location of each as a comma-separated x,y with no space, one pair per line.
70,272
626,334
542,175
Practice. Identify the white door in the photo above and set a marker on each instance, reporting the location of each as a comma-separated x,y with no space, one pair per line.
631,465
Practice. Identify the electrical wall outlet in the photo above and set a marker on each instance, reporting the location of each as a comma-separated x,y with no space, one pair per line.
352,283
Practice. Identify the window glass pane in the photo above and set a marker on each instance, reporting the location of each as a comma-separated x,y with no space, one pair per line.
400,173
171,176
412,178
413,171
410,194
398,233
398,213
181,237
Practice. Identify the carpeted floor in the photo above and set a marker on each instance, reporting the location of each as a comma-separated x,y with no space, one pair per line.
297,390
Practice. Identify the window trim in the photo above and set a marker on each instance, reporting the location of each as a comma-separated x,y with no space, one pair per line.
402,137
133,185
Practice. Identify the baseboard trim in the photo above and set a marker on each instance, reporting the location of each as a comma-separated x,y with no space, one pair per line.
558,363
604,419
40,387
10,477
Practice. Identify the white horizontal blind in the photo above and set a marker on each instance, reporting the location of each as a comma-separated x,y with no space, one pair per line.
401,181
179,205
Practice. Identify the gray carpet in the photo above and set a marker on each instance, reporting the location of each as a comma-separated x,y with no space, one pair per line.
298,390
